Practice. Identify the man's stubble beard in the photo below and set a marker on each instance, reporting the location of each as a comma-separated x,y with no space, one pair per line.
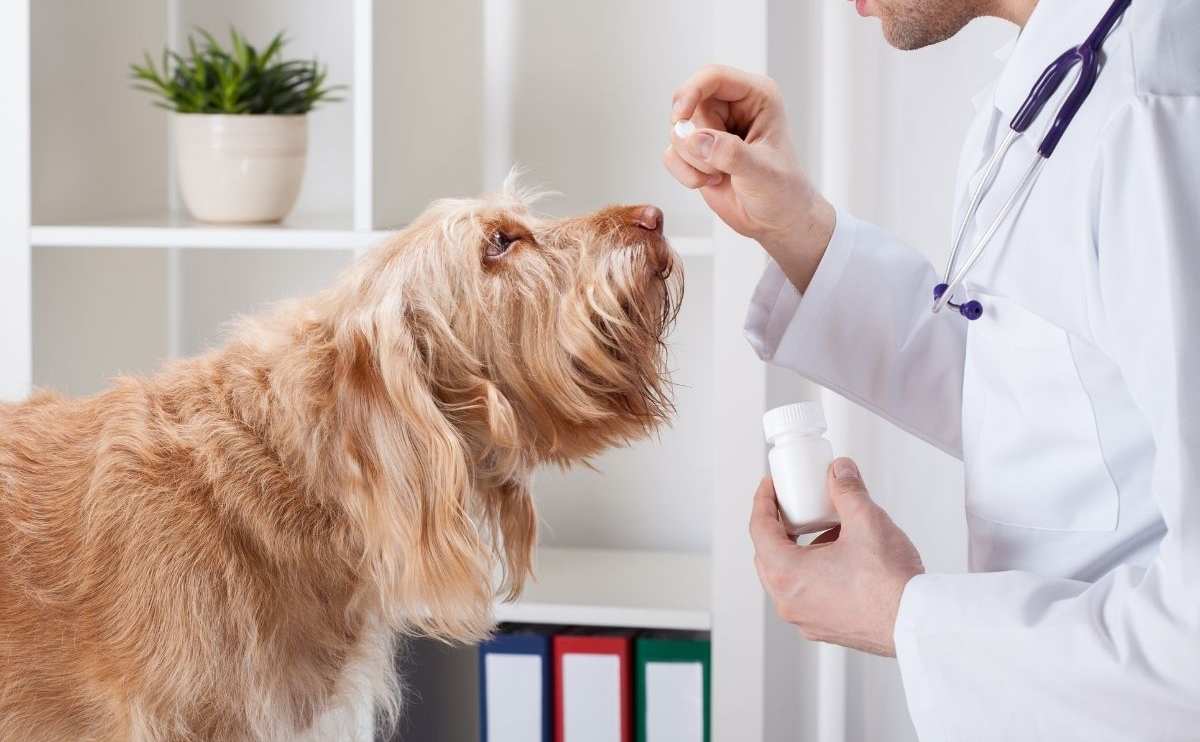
914,24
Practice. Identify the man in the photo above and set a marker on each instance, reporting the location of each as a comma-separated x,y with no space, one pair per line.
1072,401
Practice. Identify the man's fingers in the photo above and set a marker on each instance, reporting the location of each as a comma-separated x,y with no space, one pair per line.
847,490
731,154
685,173
766,529
693,150
713,151
714,81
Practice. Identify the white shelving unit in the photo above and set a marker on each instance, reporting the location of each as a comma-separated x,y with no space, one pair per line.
101,272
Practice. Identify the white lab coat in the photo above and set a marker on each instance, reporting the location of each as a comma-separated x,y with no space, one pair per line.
1074,402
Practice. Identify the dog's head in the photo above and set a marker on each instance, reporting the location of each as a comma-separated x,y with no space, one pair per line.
541,338
502,340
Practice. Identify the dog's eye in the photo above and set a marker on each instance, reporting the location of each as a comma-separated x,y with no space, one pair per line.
499,245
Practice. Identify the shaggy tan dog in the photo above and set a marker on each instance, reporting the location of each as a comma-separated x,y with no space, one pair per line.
226,550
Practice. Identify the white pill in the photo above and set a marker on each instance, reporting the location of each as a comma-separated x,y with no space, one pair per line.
684,128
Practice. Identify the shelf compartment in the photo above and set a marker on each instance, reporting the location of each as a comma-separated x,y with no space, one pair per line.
611,587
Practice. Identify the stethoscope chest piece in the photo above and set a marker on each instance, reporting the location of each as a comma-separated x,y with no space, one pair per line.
972,309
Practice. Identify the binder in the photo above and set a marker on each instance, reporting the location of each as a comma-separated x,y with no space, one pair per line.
593,689
672,689
515,685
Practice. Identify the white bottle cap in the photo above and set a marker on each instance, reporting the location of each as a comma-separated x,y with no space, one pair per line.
806,418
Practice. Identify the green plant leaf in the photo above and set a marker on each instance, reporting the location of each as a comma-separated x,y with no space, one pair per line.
209,78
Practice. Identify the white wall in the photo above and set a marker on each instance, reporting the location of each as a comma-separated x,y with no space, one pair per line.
97,313
113,165
428,105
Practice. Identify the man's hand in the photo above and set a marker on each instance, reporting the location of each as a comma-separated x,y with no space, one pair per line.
742,160
845,588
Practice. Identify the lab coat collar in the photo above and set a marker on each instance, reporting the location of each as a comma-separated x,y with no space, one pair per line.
1054,27
986,95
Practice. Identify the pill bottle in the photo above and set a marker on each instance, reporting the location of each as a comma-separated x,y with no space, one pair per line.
800,456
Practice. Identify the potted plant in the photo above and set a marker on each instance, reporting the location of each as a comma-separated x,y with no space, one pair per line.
241,131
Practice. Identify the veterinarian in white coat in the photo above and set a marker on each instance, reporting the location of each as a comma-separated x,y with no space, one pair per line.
1073,401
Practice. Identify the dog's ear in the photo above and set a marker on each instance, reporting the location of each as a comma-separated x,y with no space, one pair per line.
501,419
431,563
514,517
502,475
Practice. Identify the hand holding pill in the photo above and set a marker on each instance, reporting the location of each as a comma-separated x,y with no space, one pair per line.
729,140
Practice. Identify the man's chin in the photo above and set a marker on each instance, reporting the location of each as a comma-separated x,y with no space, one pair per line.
915,24
909,37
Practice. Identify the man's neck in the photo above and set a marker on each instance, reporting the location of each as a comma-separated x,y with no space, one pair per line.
1017,11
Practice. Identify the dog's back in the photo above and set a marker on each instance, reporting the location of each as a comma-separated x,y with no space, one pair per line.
47,454
136,598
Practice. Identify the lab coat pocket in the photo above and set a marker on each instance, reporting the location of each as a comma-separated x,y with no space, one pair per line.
1031,447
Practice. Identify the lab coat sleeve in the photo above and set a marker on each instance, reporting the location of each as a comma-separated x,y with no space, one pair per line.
1006,656
865,330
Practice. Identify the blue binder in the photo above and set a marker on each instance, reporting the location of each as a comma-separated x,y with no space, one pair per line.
515,686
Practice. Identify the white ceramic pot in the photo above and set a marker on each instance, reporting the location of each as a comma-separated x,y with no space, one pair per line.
240,168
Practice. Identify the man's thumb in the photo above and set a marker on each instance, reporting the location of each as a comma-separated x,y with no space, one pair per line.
847,489
726,152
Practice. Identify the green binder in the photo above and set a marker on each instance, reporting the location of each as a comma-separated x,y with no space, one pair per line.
672,688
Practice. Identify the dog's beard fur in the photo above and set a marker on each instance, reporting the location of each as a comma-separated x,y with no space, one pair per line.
226,550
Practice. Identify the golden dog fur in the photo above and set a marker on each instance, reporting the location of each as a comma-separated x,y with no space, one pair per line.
228,549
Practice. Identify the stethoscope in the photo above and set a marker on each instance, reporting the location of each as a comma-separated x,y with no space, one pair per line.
1087,56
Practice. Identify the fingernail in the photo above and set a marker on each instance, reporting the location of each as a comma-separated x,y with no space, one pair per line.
703,143
845,469
678,107
714,179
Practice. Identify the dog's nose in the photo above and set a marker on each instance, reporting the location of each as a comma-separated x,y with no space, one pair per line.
648,218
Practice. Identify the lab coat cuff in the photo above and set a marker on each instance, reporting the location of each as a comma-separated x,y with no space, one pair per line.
777,304
920,681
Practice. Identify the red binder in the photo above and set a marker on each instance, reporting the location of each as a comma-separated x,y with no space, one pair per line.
593,697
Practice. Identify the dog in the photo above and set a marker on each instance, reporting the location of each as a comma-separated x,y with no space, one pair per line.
230,549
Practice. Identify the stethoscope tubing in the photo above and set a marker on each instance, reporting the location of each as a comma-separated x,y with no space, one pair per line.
1084,61
1027,181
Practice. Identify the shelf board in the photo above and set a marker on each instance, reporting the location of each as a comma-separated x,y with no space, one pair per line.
299,232
599,587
